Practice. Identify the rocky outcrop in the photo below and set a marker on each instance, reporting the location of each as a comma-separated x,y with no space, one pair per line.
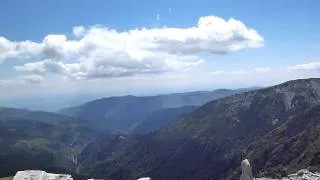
303,174
40,175
246,170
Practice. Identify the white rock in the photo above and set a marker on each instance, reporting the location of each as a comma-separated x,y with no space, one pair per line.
302,174
40,175
144,178
246,170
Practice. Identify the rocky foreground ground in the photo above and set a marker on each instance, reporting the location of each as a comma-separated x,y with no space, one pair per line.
300,175
303,174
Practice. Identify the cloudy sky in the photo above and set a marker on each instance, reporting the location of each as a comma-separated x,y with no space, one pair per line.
143,47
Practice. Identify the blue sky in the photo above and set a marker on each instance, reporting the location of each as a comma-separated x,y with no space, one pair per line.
285,46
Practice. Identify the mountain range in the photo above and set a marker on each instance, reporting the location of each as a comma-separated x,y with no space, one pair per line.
198,135
277,128
126,113
50,141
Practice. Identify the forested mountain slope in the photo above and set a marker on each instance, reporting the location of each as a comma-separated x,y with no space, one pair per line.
126,112
41,140
263,125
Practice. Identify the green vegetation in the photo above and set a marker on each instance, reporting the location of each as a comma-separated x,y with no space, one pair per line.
39,140
127,113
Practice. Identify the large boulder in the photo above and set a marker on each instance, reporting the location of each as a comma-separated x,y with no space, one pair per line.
144,178
246,170
40,175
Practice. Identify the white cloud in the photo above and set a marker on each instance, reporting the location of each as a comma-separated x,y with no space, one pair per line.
307,66
97,69
36,67
78,31
9,49
43,66
102,52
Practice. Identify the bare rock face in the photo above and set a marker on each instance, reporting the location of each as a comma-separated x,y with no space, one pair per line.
246,170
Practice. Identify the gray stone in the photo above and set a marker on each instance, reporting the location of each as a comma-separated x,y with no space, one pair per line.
40,175
246,170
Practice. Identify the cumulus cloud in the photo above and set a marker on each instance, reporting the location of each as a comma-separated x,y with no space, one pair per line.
103,52
307,66
78,31
43,66
9,49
